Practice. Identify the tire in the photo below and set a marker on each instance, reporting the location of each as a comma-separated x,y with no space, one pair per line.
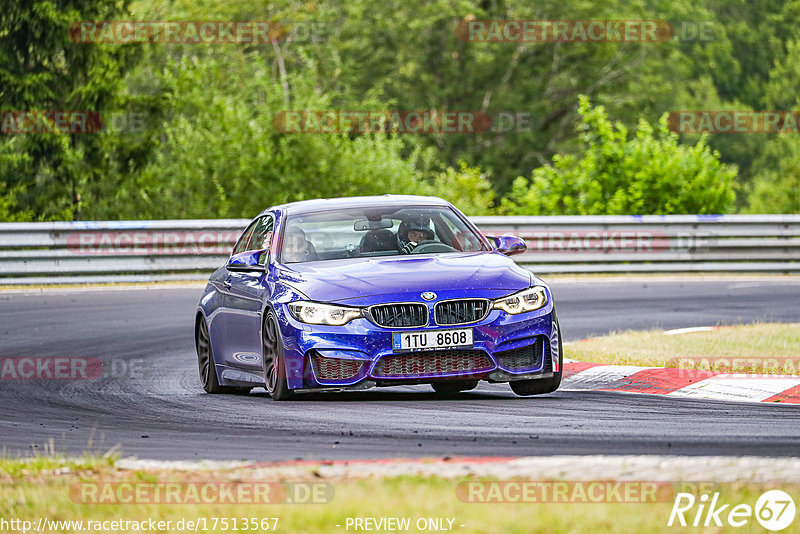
540,386
454,386
206,365
272,360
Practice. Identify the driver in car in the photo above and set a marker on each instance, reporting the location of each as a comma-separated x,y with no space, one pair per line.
296,248
412,232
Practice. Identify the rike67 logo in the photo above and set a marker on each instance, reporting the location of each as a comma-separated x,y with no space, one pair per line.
774,510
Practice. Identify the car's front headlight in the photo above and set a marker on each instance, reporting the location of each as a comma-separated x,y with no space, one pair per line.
318,313
523,301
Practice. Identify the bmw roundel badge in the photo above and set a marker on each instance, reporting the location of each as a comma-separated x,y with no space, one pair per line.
429,295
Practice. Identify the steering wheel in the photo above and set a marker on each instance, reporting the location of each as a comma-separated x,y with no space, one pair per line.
429,246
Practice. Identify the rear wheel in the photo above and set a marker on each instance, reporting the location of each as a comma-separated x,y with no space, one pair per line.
273,362
540,386
454,386
206,365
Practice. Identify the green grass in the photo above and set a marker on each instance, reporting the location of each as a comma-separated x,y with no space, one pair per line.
764,348
51,461
38,487
38,465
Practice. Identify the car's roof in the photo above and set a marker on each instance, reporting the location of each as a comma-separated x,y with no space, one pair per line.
321,204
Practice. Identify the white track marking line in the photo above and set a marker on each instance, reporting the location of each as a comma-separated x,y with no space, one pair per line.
600,376
690,330
726,388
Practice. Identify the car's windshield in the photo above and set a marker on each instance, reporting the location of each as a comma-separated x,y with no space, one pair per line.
375,231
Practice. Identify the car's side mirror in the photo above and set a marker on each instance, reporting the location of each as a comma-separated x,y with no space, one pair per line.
246,261
508,244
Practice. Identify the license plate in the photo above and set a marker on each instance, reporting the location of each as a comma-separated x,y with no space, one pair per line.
432,339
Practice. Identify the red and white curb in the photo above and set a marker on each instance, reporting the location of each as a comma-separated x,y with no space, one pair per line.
691,383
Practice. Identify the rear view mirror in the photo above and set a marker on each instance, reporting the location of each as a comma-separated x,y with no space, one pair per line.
364,225
246,261
508,244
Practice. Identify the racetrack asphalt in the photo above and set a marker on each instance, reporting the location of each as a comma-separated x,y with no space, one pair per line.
161,411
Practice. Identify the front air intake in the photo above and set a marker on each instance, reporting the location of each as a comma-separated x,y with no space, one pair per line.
432,364
527,358
335,369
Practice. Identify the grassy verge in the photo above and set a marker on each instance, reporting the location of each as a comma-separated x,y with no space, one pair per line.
23,469
46,488
764,348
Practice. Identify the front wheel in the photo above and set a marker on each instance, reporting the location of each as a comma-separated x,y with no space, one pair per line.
540,386
273,362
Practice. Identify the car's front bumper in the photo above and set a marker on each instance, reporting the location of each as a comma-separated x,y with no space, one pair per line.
506,347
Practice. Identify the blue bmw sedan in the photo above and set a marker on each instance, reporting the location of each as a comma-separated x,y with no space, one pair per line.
351,293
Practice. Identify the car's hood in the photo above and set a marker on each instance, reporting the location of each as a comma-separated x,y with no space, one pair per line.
450,275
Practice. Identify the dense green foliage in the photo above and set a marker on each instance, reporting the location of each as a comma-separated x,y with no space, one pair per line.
777,188
198,138
41,69
648,174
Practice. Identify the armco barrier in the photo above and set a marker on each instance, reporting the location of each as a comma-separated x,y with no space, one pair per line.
189,249
654,243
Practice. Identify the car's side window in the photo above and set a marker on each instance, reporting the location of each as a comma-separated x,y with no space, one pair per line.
241,245
262,236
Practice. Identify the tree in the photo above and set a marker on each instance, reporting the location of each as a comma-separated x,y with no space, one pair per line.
465,187
223,156
410,56
42,70
649,173
776,186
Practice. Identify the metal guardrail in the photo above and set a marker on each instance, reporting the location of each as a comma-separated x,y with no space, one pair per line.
654,243
110,251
